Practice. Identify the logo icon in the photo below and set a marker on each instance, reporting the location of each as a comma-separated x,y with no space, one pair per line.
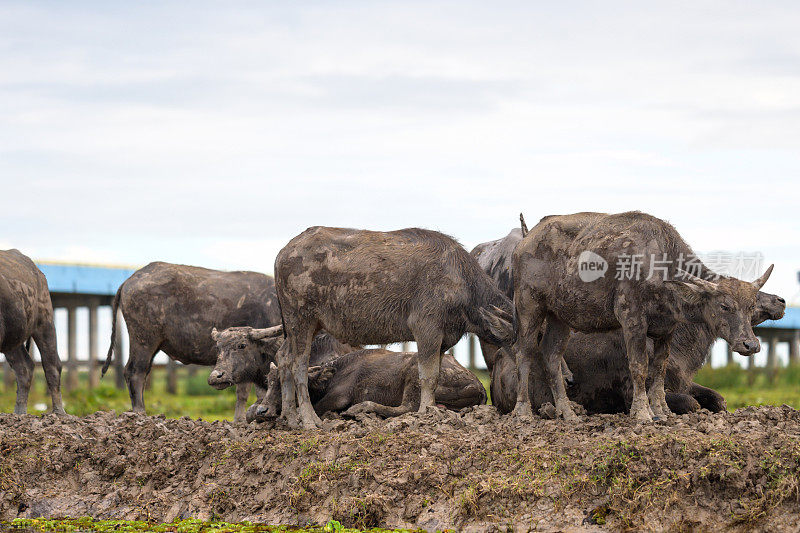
591,266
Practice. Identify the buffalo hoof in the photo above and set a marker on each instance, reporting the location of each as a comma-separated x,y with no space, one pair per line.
523,412
564,410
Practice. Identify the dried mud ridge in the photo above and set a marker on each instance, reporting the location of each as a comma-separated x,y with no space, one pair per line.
473,470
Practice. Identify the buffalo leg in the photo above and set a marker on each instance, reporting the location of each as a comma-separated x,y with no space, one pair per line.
136,371
656,394
634,330
308,418
288,395
530,315
22,365
681,404
554,342
51,364
708,398
242,394
429,360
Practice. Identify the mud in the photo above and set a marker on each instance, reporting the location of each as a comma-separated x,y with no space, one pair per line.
473,470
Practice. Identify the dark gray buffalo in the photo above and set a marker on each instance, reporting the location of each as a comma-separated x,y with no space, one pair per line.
26,312
601,379
341,378
371,287
247,355
173,308
647,297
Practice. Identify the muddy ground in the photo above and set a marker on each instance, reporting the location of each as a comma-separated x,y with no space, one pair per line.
473,470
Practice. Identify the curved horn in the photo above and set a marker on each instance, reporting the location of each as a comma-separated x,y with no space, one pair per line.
264,333
523,225
763,279
214,333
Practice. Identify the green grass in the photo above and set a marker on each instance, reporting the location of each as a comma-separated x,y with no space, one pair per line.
194,397
742,387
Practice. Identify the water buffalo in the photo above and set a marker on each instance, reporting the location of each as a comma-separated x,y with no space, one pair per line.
340,377
26,312
372,287
601,378
247,355
647,297
173,308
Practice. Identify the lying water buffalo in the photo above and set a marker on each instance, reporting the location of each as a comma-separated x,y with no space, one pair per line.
601,378
26,312
173,308
247,355
648,297
340,378
371,287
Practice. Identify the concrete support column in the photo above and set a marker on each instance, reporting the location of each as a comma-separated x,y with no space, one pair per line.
172,376
472,350
729,360
794,348
72,349
119,362
93,369
772,358
406,346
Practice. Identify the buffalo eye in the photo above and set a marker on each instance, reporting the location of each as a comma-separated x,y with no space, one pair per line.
242,346
726,307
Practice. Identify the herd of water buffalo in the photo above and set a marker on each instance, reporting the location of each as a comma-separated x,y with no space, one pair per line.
549,335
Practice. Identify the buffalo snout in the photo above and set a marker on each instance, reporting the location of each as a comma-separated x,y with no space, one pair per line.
219,379
747,346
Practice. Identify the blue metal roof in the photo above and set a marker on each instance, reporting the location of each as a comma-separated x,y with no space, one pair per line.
790,320
84,279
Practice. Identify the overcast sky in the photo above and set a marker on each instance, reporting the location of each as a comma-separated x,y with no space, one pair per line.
211,133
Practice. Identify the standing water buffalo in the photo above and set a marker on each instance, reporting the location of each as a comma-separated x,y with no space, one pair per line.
371,287
26,312
648,297
173,308
601,378
341,378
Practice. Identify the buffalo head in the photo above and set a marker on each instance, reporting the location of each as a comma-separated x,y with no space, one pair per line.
728,305
244,355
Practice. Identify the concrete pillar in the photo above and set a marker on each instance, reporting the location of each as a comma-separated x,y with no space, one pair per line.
93,369
730,354
72,348
172,376
472,350
119,360
772,358
794,348
406,346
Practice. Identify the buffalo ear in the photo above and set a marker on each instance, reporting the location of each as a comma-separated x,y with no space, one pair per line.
270,347
691,287
501,328
320,376
214,334
763,279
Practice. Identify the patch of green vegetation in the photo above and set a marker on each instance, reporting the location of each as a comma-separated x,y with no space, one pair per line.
86,524
759,386
194,398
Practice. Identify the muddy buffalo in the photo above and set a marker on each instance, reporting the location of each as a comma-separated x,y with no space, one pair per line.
602,381
371,287
248,355
173,308
647,297
26,312
340,377
601,378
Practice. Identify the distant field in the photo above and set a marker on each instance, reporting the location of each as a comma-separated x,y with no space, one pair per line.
196,399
